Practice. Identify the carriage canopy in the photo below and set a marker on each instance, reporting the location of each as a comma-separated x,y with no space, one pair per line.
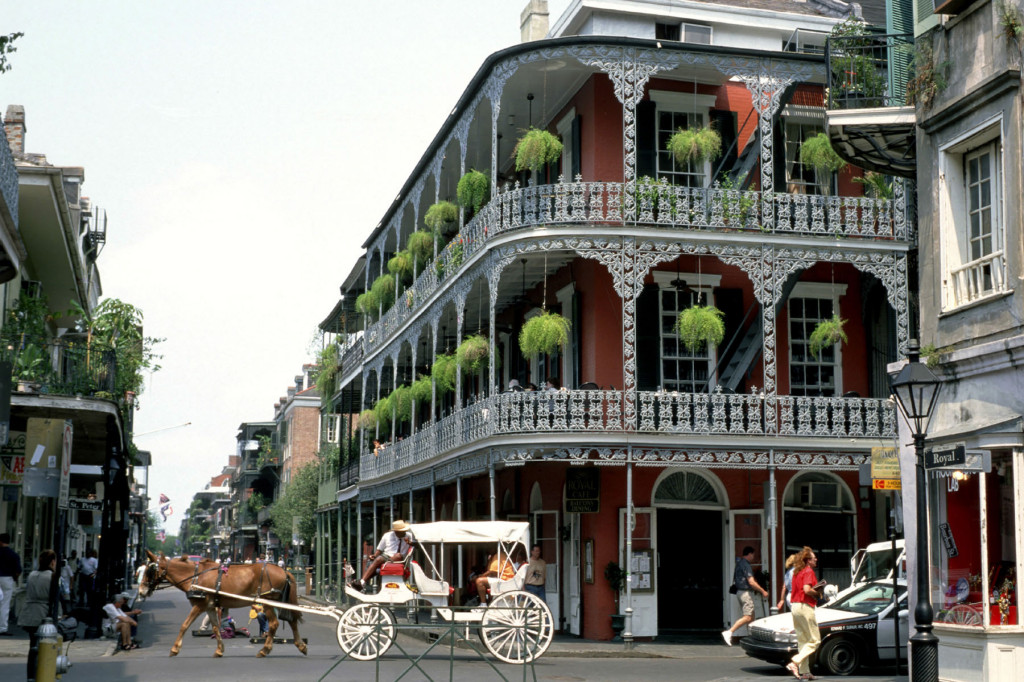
464,532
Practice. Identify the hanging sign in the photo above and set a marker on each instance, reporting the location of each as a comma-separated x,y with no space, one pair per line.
946,533
885,469
582,490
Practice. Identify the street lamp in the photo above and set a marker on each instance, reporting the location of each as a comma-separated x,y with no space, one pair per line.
916,388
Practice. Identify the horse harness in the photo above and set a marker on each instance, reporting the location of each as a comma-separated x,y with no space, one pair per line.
194,593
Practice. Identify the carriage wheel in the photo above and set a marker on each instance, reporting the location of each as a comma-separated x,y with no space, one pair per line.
366,631
517,627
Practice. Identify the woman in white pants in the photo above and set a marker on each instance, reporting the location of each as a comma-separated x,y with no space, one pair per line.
806,592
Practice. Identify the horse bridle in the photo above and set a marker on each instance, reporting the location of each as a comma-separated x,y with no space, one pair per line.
156,577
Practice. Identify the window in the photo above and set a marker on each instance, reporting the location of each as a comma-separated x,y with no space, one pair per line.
677,110
681,369
667,31
800,177
331,428
971,218
808,375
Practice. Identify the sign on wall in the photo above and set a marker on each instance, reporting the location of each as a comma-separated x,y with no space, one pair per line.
582,490
885,469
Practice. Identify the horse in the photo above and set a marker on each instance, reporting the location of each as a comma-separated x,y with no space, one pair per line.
260,581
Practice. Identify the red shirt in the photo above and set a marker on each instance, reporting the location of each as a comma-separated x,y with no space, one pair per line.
804,577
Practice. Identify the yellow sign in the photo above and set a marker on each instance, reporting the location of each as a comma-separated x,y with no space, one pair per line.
885,469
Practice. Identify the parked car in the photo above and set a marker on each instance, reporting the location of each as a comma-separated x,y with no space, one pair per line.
856,628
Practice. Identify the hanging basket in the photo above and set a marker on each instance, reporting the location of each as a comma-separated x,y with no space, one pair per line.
472,353
695,145
473,190
383,290
401,403
535,149
422,390
368,420
401,265
382,411
444,373
421,247
367,303
700,325
544,333
817,152
441,216
827,334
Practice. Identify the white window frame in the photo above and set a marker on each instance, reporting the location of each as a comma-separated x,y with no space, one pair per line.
564,129
703,283
819,290
962,278
793,114
680,103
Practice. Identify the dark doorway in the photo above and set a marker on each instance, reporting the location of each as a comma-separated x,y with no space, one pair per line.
690,570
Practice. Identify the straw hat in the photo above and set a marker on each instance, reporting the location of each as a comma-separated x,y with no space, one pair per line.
400,525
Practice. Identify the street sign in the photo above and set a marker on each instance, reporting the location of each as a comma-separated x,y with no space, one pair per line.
951,457
65,465
885,469
85,505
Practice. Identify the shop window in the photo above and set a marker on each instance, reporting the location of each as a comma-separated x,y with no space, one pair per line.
973,546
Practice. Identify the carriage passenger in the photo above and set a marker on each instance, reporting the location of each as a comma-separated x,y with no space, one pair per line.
395,545
500,566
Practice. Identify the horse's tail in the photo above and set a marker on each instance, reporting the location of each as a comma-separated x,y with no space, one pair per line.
290,595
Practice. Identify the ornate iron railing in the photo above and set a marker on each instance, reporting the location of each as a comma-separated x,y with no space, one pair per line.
8,178
659,413
869,71
659,205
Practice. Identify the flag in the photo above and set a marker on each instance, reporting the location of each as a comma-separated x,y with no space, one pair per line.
166,511
164,499
161,536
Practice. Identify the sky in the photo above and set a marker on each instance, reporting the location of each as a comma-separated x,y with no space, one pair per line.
243,152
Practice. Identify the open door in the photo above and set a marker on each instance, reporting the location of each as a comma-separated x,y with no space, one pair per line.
746,528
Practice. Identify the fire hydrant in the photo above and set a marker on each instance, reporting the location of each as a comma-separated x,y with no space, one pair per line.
50,664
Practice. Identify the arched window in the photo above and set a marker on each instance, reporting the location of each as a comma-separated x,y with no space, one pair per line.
686,487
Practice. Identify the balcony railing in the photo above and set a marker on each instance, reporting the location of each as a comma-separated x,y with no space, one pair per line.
659,206
978,278
869,71
659,413
8,178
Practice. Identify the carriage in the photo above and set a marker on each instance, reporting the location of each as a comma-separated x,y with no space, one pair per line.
515,627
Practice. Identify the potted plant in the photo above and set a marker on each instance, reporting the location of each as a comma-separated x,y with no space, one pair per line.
368,420
367,303
383,289
876,185
472,353
401,266
544,333
649,193
699,325
827,333
440,217
473,190
535,149
422,390
444,372
616,578
421,246
30,368
817,152
695,145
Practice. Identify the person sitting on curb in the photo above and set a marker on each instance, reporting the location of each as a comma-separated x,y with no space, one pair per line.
120,621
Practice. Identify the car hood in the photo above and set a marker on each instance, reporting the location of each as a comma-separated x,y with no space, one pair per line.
783,622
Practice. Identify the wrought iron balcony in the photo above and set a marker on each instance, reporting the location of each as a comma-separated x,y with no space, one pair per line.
8,179
601,412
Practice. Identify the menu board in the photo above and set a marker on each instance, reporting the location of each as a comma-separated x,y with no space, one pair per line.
641,572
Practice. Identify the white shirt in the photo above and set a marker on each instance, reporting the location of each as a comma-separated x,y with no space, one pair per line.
89,565
391,544
113,614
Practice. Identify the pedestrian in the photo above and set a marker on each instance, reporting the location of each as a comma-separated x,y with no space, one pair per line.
394,545
743,584
87,577
37,604
536,573
10,569
805,596
119,621
280,562
785,599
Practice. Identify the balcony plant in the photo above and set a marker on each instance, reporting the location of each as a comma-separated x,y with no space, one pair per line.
472,353
401,401
535,149
450,259
444,373
422,390
695,145
368,420
544,333
383,289
876,185
473,190
699,325
326,370
817,152
442,217
382,410
651,191
401,266
421,246
367,303
828,333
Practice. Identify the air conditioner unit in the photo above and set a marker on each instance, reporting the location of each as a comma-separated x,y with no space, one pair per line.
695,33
819,494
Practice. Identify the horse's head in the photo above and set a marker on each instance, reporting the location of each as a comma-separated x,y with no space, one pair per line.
156,572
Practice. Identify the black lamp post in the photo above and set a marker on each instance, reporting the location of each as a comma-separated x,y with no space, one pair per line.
916,389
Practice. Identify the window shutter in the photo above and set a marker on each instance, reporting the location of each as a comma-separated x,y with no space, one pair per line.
924,16
899,20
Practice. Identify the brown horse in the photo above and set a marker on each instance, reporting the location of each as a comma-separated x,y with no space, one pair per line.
258,581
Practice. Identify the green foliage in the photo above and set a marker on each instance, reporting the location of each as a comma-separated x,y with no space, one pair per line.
930,78
817,152
6,48
266,454
615,576
1011,21
383,289
544,333
444,372
473,190
826,334
256,502
535,149
401,401
876,185
450,259
117,325
736,209
296,505
695,145
441,215
933,355
368,420
368,303
401,265
422,390
699,325
472,353
651,190
382,410
24,339
326,375
421,247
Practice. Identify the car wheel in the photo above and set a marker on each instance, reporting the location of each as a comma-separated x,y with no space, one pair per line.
840,656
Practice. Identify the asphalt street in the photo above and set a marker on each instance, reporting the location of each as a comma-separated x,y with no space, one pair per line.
569,659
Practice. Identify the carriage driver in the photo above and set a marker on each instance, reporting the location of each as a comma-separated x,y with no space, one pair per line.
395,545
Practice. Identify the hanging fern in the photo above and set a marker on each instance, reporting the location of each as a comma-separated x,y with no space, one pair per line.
368,303
473,190
327,370
444,373
401,401
535,149
400,266
368,420
383,289
544,333
827,334
472,353
382,411
817,152
699,325
421,247
440,216
695,145
422,390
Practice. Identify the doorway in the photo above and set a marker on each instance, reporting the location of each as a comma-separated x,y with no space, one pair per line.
690,584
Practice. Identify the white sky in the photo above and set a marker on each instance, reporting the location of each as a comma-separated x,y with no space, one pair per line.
243,152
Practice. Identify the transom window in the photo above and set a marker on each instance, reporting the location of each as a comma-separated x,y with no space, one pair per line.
810,375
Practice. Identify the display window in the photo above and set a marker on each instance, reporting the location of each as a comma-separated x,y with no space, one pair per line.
975,563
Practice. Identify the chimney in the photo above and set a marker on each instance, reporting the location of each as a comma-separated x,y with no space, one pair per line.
14,126
533,22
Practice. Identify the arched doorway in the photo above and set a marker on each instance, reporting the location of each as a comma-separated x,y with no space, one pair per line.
819,512
690,507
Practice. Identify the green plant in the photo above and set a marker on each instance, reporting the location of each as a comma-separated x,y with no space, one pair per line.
444,372
401,401
422,390
450,259
421,246
401,266
472,353
698,325
695,145
31,364
616,577
6,48
652,190
544,333
930,78
382,410
535,149
876,185
817,152
736,210
383,289
473,190
1011,21
932,356
326,370
827,333
256,501
368,420
441,216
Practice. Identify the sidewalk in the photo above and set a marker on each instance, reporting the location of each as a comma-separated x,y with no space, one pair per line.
17,646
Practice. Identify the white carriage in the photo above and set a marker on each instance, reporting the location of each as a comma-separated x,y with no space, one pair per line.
515,627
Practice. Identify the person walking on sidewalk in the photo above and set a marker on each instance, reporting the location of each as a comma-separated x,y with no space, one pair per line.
37,604
10,569
806,593
744,584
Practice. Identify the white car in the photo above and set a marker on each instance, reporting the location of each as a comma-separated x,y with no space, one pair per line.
856,628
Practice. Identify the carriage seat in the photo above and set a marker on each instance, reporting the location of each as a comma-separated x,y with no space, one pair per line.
428,586
394,568
516,582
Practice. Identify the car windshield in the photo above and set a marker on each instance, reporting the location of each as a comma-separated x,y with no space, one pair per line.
874,566
869,600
